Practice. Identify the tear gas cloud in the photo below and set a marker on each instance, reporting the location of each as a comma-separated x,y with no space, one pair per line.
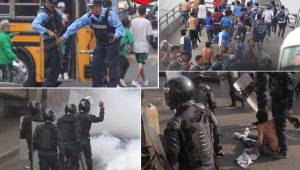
115,142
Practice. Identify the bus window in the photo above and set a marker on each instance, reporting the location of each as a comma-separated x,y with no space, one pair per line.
26,9
4,8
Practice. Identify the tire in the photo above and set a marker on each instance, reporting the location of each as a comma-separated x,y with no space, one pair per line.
26,64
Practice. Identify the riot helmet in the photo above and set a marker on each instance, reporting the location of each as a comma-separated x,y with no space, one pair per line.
85,105
34,107
49,115
177,91
71,109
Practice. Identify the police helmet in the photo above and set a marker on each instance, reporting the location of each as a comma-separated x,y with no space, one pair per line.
34,107
84,106
49,115
95,2
178,91
71,109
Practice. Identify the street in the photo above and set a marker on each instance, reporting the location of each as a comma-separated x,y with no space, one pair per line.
235,119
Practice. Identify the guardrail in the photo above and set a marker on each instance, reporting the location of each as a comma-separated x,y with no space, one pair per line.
174,13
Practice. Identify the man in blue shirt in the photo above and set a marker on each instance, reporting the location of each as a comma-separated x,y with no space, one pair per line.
224,39
108,30
227,21
237,9
48,23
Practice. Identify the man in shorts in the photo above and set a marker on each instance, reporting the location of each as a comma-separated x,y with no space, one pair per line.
142,31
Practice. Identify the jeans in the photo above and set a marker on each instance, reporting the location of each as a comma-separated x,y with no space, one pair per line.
269,26
281,29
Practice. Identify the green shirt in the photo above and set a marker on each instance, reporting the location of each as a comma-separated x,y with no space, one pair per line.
126,39
7,56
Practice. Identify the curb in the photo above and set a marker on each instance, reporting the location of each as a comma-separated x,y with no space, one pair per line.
9,154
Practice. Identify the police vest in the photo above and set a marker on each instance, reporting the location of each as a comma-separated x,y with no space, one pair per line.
53,22
103,31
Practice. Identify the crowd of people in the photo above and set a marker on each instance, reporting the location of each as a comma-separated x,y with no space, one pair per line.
121,36
235,36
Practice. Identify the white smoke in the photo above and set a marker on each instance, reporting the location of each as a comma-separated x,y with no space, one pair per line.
111,153
115,142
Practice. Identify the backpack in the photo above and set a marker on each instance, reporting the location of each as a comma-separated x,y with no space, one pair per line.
260,27
281,16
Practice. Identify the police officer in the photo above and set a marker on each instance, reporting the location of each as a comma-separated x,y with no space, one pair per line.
34,115
46,139
191,151
108,30
203,94
70,129
86,120
282,93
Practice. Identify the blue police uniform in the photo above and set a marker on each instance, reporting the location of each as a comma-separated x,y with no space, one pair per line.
50,20
106,26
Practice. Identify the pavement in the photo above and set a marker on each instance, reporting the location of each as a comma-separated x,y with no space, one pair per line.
235,119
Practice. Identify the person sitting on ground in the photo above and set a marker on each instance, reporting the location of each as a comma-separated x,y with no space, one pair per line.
180,63
266,142
198,66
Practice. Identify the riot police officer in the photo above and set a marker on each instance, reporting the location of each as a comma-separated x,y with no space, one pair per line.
231,78
48,24
192,152
69,126
86,120
108,29
203,94
282,93
34,115
46,139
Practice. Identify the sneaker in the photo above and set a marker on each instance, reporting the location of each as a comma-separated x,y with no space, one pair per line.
66,76
135,84
26,167
122,83
283,154
146,83
60,77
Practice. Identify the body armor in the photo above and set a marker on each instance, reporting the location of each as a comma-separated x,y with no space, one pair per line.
103,31
194,126
53,22
204,95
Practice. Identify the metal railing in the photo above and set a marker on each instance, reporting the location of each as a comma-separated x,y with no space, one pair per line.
174,13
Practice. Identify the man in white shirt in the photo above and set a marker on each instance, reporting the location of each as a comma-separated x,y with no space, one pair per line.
268,15
142,31
202,10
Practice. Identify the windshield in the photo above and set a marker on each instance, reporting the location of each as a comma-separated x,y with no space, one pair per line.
290,58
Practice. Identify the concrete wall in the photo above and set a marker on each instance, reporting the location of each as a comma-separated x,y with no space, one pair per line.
169,30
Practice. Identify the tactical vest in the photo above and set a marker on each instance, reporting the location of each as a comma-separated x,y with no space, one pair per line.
103,31
200,95
197,138
53,22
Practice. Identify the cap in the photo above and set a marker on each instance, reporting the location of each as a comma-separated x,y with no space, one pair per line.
52,1
95,2
4,21
61,4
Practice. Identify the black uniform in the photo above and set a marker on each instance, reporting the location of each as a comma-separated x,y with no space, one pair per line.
86,121
46,139
71,135
183,145
282,94
232,92
26,130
